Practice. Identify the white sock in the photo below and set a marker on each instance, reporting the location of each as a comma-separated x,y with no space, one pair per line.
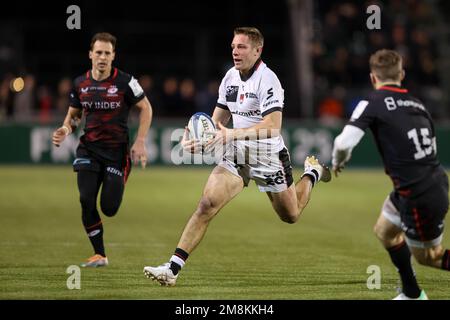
177,260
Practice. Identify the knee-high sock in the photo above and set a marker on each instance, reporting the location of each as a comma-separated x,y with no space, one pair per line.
401,258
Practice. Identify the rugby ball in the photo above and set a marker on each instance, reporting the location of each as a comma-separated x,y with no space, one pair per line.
201,127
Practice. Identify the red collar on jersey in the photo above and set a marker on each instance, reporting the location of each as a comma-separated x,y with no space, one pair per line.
112,76
395,89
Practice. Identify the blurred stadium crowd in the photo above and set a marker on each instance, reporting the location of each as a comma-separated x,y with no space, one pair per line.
341,50
340,47
25,100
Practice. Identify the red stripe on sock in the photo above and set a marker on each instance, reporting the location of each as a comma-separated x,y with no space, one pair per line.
398,246
94,225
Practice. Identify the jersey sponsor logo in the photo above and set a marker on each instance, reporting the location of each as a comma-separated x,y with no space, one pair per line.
93,233
268,103
359,109
81,161
114,171
112,90
392,104
135,87
86,89
251,95
231,93
93,88
251,113
101,105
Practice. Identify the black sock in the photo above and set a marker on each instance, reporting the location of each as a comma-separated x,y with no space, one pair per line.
446,260
401,257
95,234
181,254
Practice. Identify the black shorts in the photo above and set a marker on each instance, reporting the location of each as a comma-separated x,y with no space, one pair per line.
116,160
422,216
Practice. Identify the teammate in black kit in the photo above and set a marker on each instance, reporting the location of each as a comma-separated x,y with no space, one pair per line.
412,217
103,158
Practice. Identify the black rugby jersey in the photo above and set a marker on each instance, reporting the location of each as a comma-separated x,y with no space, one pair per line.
404,135
106,105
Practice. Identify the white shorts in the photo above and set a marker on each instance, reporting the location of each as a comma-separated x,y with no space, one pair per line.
390,212
272,172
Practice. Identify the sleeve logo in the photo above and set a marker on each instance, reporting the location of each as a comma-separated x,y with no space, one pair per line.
135,87
269,93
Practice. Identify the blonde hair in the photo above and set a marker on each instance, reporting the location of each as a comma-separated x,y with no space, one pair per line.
253,34
386,65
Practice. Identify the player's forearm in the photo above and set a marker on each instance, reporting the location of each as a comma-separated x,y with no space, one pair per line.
256,132
221,115
344,144
145,120
72,120
349,138
268,128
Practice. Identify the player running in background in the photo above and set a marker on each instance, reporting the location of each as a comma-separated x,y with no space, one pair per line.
252,94
412,216
105,95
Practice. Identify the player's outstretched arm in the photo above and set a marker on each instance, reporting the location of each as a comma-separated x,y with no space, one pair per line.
343,146
71,122
138,150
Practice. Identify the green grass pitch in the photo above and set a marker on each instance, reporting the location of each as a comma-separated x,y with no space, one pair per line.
247,253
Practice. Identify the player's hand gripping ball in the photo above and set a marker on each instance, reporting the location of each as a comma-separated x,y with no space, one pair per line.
201,127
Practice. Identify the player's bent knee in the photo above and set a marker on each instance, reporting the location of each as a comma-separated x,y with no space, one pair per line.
109,210
206,207
290,220
380,232
382,235
289,217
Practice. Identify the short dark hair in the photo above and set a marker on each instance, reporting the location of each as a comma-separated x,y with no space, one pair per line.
104,37
386,65
254,34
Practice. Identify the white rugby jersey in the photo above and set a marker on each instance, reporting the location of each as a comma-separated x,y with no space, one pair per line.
250,99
